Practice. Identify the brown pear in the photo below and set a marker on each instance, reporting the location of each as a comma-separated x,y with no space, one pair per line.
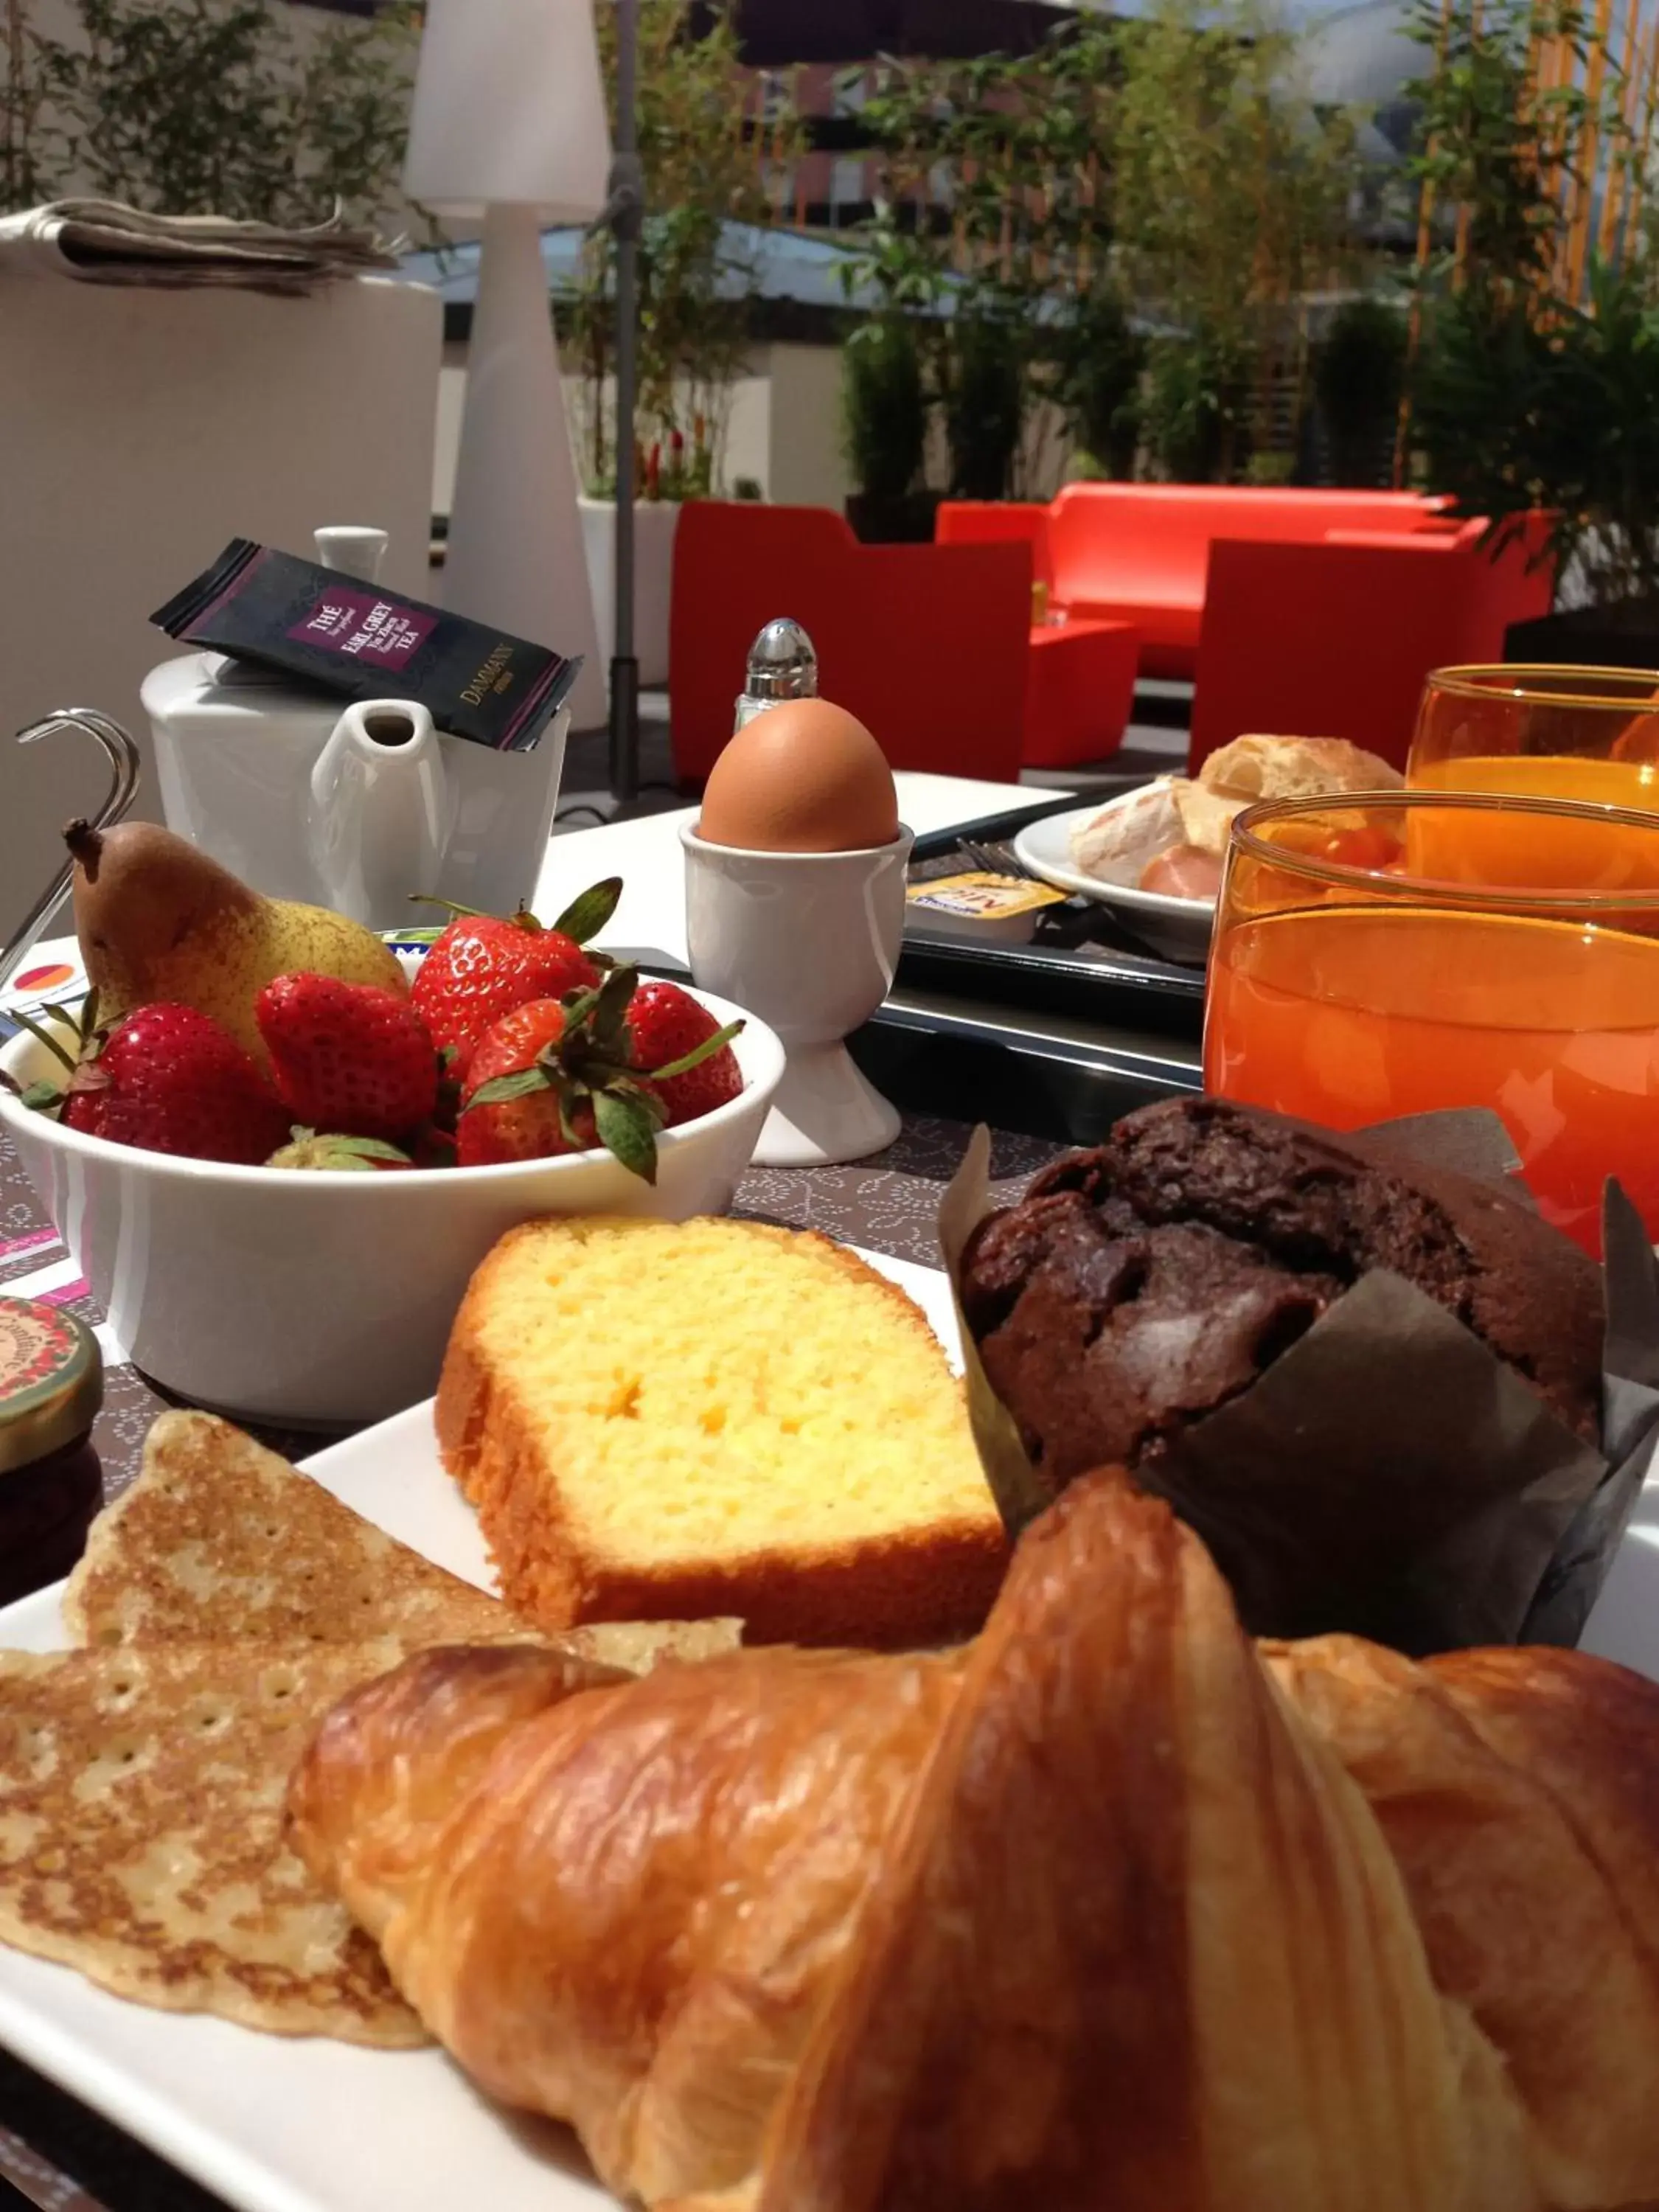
140,893
158,919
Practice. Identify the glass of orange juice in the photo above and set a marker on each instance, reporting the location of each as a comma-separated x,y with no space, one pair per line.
1396,953
1584,733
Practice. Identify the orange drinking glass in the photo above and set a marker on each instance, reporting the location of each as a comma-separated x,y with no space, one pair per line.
1582,733
1347,987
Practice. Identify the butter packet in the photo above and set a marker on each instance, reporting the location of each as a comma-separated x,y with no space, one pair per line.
1005,907
363,642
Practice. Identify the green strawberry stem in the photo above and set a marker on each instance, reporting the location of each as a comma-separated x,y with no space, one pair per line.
585,916
41,1035
362,1148
307,1149
588,912
589,1064
43,1098
451,906
501,1088
628,1131
698,1054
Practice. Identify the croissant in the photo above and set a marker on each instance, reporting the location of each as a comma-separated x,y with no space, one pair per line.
627,1913
1109,1912
1519,1792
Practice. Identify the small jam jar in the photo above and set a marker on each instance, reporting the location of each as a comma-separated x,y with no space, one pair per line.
52,1384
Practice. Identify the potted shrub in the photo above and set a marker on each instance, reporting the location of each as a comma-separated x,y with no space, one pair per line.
1100,359
1515,413
1196,396
1360,372
1536,387
187,109
704,193
884,432
984,405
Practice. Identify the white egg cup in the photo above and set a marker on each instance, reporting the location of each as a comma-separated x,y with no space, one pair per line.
809,941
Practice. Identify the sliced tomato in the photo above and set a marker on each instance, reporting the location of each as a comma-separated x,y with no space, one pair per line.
1367,847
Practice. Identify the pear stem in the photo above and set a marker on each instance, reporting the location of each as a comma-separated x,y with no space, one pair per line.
85,843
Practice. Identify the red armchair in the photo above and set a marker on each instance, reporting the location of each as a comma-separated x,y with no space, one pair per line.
1138,553
927,644
1335,640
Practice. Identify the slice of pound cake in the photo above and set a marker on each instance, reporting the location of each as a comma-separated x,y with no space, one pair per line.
676,1420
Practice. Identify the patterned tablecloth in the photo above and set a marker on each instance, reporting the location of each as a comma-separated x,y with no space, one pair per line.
887,1204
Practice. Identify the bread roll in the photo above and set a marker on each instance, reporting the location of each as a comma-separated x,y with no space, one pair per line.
1294,767
1126,839
1207,816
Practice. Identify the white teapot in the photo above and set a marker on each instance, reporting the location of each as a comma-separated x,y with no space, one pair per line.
359,811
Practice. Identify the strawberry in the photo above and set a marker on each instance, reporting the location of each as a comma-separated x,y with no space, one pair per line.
357,1155
668,1025
524,1124
350,1059
171,1080
557,1077
481,967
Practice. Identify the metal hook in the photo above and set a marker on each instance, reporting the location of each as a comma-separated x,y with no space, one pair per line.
123,756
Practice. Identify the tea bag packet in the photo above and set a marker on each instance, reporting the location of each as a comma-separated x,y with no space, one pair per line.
1388,1474
363,642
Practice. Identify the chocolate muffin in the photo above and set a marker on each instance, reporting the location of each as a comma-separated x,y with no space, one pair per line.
1139,1286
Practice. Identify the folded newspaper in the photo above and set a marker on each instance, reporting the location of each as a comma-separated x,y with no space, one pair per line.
101,242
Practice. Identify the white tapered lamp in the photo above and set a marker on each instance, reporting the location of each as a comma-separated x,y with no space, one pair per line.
509,125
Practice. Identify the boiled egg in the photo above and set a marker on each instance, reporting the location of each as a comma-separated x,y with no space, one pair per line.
804,776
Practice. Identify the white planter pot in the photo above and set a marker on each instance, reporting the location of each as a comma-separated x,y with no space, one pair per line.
654,524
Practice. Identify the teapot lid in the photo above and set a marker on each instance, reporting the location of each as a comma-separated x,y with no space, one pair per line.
207,682
351,549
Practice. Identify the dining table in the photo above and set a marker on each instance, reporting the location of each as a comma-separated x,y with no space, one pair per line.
55,2152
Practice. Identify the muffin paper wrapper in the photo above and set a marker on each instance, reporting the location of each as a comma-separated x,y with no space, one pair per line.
1389,1475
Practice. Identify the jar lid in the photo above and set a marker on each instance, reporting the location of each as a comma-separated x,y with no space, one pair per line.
51,1381
782,664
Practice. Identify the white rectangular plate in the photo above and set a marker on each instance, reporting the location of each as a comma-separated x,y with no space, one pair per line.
274,2124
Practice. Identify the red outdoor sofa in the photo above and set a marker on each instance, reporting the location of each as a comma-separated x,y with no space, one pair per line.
1335,640
1138,553
931,647
1300,613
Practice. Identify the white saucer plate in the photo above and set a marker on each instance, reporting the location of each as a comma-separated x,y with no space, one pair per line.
272,2123
278,2124
1177,928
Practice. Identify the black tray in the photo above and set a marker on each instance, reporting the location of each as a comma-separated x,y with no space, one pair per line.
1038,1072
1083,964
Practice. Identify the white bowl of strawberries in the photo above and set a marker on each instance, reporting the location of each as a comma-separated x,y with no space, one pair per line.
308,1267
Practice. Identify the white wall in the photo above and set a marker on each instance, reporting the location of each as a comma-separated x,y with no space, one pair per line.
806,465
141,430
783,429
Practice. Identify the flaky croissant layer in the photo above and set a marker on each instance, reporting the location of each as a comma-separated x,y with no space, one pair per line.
1111,1913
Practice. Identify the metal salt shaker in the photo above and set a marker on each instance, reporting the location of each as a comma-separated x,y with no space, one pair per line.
781,665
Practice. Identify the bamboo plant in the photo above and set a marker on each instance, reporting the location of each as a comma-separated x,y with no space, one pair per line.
1534,381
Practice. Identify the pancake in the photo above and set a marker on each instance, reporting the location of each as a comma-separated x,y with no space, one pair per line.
219,1540
142,1833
